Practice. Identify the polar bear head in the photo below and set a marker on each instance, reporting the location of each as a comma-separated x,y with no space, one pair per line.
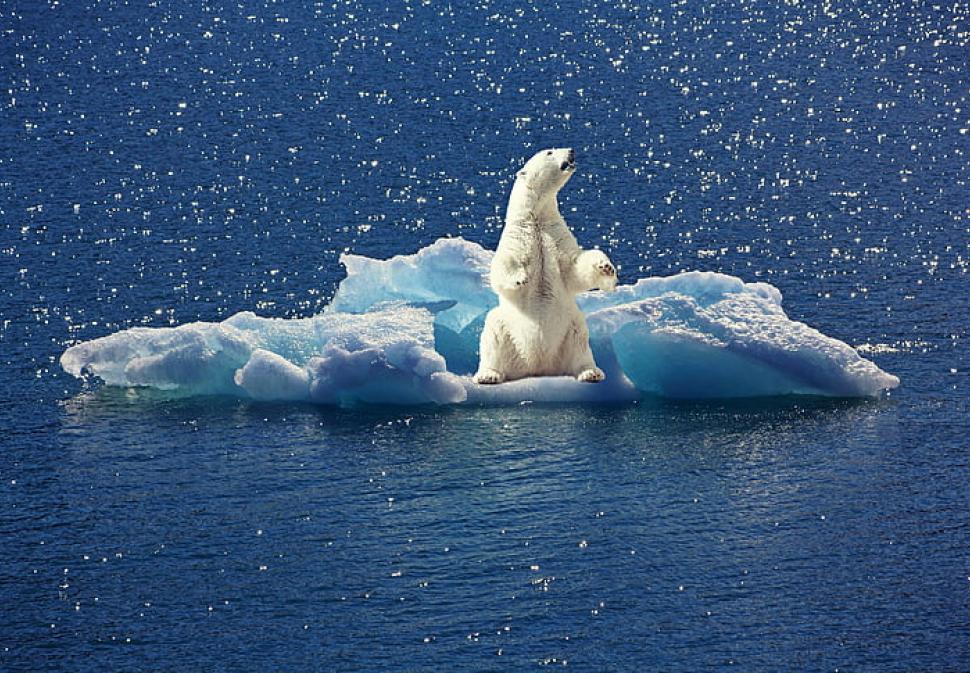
548,170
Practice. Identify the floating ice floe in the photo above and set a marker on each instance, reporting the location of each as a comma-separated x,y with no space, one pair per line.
405,331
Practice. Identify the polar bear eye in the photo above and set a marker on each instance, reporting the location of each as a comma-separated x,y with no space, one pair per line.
549,153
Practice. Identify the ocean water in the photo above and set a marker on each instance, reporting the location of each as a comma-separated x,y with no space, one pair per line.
161,164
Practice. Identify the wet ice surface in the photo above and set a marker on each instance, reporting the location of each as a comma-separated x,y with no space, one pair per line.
163,165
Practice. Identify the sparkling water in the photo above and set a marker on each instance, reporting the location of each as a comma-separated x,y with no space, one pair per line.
162,164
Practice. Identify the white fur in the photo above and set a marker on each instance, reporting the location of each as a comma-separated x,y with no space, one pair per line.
537,329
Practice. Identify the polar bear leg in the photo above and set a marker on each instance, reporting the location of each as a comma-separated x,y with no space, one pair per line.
577,356
497,355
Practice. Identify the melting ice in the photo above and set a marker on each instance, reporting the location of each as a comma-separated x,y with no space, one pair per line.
405,331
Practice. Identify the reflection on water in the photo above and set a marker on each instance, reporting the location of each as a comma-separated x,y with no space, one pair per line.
529,530
652,424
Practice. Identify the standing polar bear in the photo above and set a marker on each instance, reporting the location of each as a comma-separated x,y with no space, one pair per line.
537,329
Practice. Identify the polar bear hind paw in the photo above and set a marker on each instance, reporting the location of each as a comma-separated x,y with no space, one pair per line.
488,377
594,375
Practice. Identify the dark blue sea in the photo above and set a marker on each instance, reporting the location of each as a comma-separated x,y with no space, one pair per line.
162,163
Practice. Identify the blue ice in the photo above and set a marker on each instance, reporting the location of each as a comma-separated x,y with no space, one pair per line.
405,331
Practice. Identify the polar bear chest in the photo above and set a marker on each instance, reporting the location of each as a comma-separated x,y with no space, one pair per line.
545,287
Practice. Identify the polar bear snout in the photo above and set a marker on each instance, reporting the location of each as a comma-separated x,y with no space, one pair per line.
570,163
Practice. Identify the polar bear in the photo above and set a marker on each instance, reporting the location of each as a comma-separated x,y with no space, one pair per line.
537,329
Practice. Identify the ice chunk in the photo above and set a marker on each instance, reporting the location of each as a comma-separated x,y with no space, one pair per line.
268,376
382,357
704,287
740,346
451,273
402,330
406,373
198,357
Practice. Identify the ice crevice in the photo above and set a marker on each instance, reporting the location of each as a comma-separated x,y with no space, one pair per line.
405,331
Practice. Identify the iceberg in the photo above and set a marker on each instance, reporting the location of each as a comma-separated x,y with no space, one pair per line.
405,331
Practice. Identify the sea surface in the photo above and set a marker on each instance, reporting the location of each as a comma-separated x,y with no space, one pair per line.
162,163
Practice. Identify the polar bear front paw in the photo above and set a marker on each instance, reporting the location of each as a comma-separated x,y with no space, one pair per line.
595,271
594,375
606,269
488,377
